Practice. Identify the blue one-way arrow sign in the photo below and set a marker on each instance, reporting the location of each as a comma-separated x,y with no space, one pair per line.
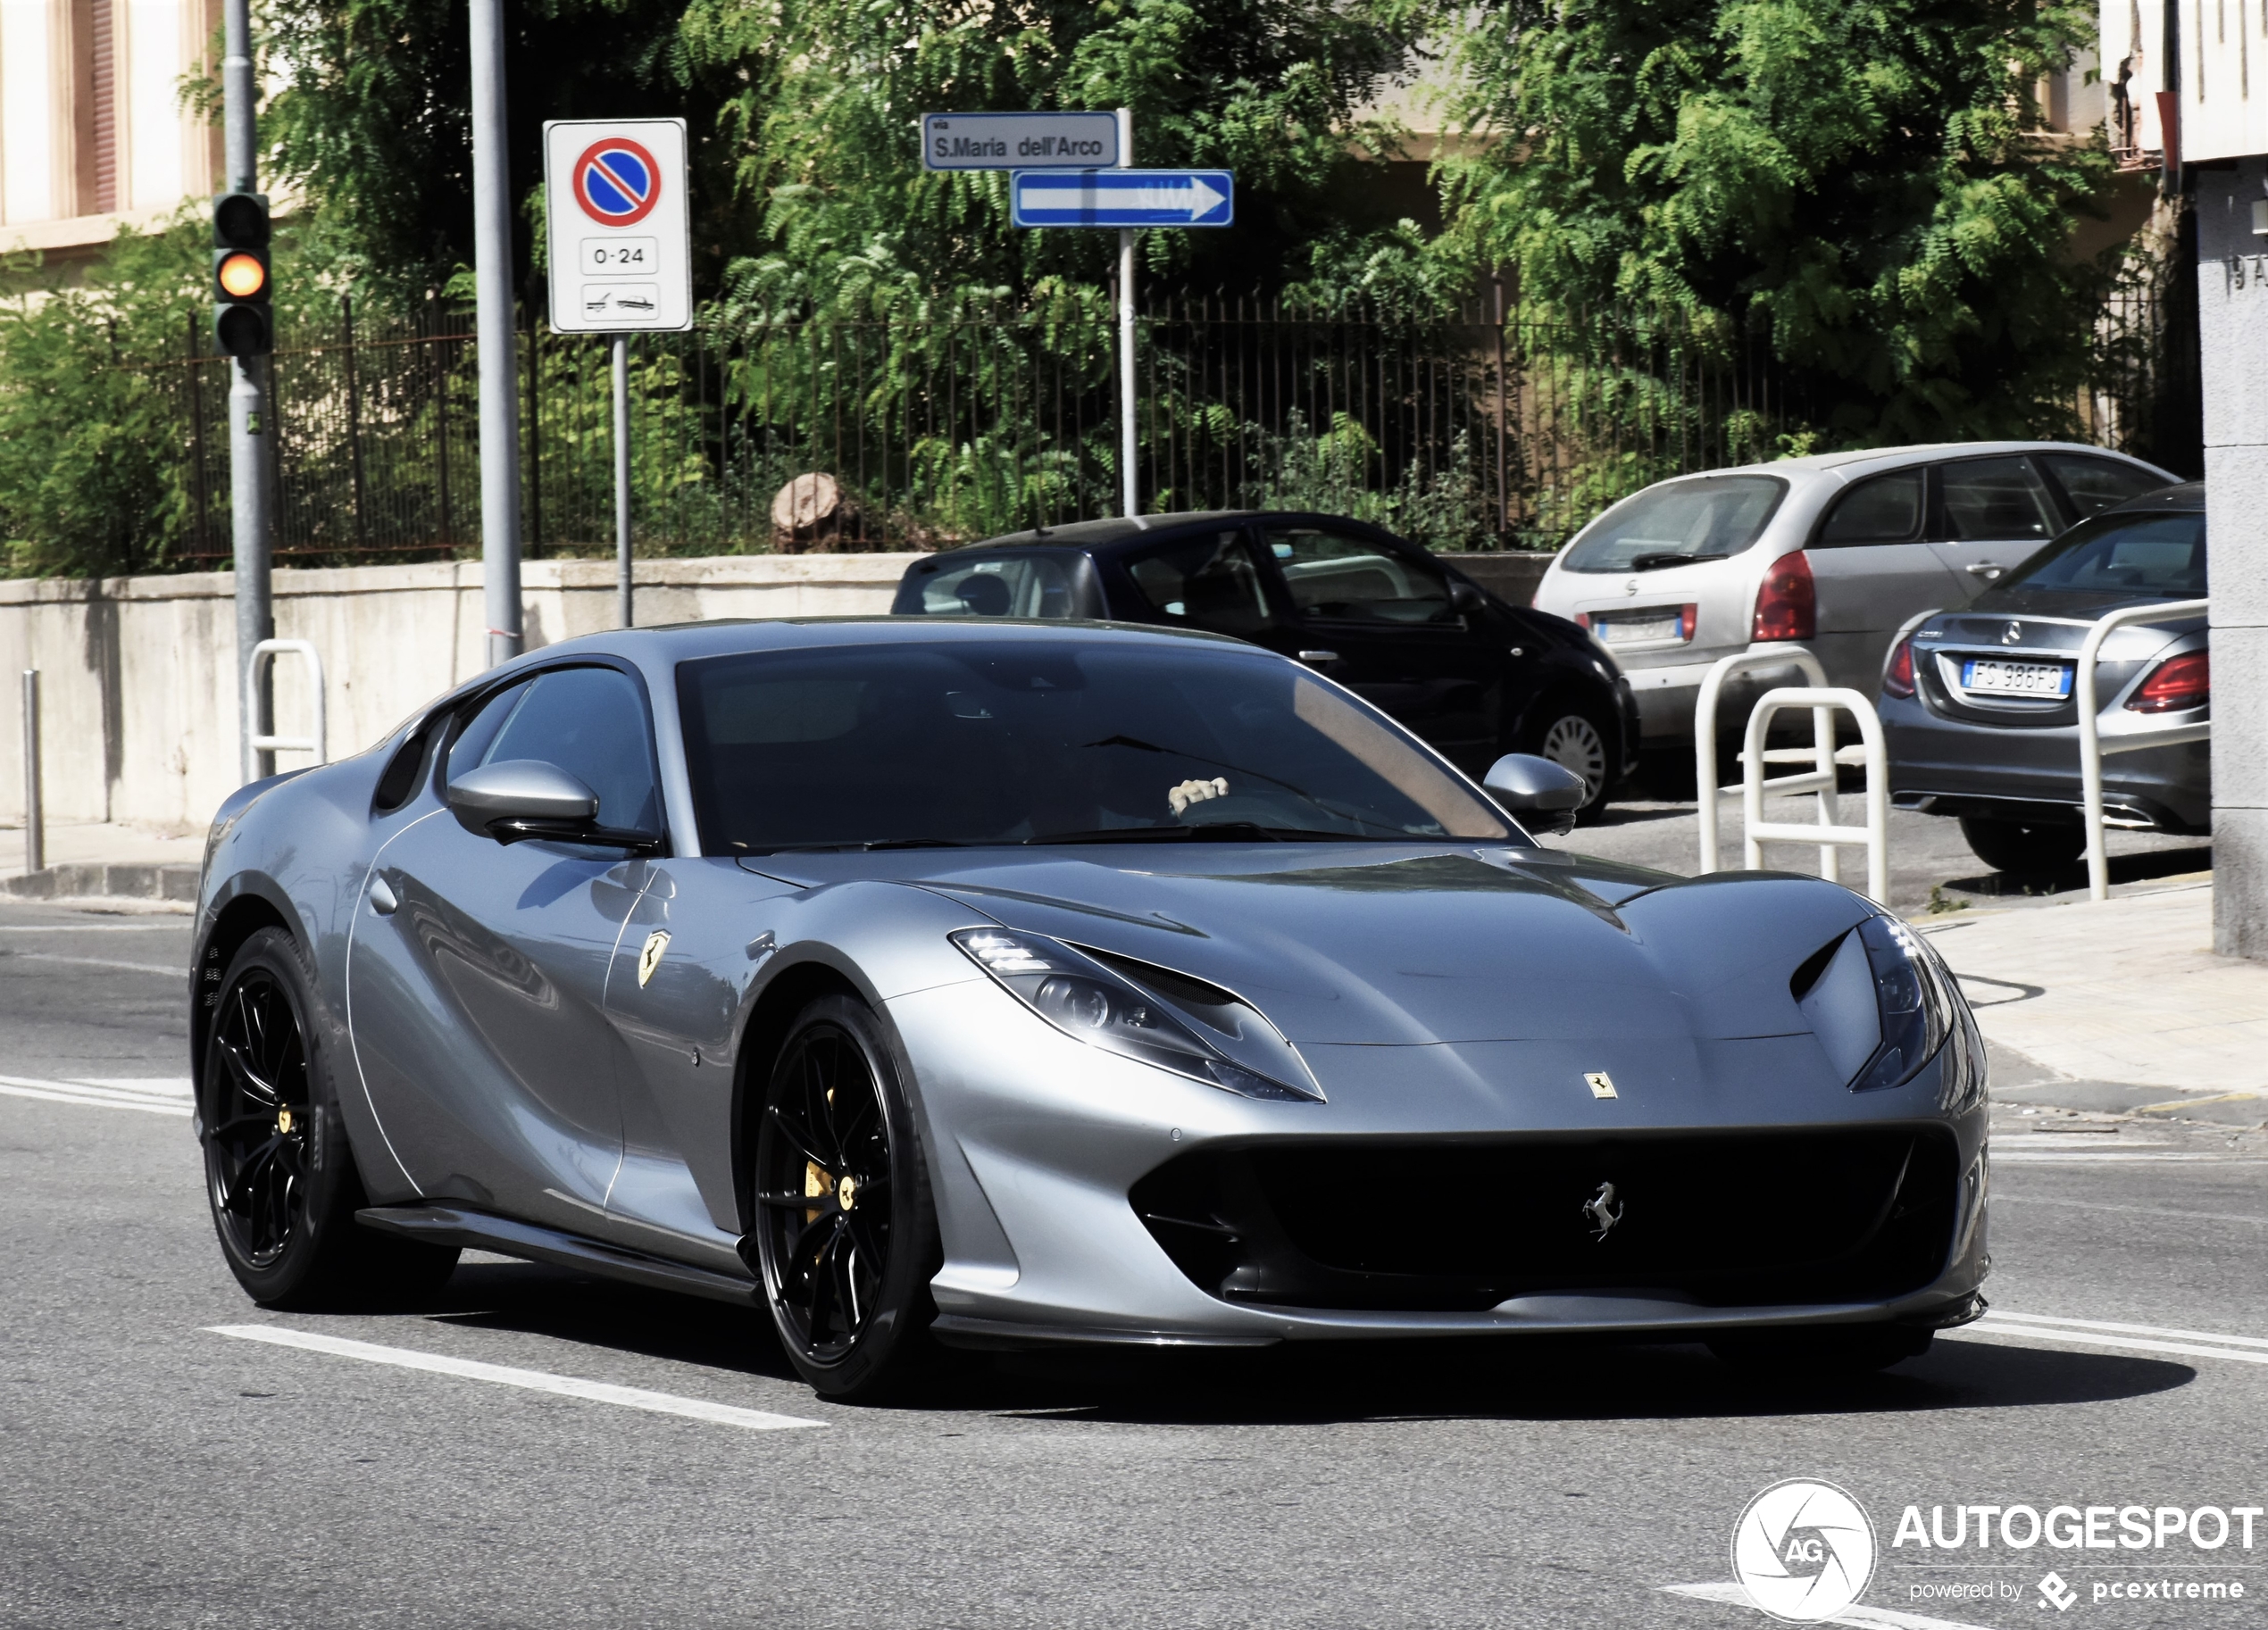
1123,197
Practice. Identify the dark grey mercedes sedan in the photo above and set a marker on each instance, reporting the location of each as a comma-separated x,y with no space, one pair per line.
1979,706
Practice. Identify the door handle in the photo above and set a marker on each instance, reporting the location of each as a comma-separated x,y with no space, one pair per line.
1984,569
1319,656
382,900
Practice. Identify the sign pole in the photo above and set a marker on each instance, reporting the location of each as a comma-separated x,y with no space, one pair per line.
251,468
499,369
625,587
1130,503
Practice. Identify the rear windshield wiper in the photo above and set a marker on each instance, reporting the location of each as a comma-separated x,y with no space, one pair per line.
1659,558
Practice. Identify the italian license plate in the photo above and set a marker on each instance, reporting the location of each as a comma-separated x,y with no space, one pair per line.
2017,679
1637,630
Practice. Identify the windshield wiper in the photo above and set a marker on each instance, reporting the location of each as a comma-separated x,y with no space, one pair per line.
1213,831
1659,558
872,843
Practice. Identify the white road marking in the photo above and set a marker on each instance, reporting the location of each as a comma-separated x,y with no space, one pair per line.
2095,1333
2004,1198
88,927
1857,1613
131,967
163,1096
534,1380
2113,1157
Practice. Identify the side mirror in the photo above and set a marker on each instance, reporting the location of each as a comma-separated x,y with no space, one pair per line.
525,798
1463,598
1542,795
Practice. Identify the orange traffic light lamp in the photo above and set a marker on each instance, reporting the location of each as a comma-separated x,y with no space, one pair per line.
242,322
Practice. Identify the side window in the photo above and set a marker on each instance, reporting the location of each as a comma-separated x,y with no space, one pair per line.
1346,578
1997,500
1210,582
2093,485
1884,510
1011,586
588,722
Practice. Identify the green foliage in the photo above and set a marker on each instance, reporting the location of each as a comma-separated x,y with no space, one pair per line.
95,472
1858,182
1336,471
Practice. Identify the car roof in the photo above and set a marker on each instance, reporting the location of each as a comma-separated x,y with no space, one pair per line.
1860,458
1110,532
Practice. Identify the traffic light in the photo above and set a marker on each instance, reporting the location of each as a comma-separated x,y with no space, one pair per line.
242,322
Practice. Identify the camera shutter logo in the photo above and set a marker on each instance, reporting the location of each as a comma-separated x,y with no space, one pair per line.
1803,1552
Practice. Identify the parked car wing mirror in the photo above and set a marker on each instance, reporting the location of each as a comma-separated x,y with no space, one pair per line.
1541,795
1463,597
525,798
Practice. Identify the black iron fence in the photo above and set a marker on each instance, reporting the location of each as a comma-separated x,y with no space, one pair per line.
1476,427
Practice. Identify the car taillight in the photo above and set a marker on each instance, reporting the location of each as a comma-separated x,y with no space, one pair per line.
1688,619
2184,681
1897,678
1787,607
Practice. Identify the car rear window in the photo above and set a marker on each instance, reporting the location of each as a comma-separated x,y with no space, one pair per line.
2140,555
1031,583
1705,517
2094,483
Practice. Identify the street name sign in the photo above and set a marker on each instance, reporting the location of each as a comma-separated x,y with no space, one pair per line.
1019,141
1123,198
619,231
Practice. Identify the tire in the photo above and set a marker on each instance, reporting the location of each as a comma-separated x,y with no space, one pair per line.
1575,737
845,1233
278,1172
1841,1350
2024,848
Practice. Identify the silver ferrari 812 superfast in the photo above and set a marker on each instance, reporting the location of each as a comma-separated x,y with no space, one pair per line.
999,984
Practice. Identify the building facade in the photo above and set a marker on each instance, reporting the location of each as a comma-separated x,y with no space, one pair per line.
94,131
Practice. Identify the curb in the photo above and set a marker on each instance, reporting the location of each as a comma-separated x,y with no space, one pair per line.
176,882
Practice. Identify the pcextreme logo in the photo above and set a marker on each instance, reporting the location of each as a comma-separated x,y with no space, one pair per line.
1803,1551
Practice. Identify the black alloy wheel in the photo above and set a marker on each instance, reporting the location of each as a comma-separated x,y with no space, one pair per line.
259,1139
279,1171
845,1236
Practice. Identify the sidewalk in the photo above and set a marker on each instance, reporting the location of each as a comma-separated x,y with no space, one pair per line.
2122,1005
103,859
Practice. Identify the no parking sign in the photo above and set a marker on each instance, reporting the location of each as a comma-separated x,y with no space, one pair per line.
614,202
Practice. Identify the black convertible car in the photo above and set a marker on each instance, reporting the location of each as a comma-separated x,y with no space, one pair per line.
1475,677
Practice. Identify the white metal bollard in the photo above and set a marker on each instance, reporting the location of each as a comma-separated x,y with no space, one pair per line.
1875,834
263,653
1705,736
35,818
2091,749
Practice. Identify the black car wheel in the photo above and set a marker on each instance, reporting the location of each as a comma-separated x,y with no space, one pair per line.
1573,737
279,1175
846,1238
2024,848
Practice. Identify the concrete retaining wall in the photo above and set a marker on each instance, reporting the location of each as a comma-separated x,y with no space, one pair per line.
139,692
138,673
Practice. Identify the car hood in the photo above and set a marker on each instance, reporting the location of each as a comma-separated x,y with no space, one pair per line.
1352,945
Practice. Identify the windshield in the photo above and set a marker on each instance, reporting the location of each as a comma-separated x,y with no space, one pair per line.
1677,522
2139,556
1040,741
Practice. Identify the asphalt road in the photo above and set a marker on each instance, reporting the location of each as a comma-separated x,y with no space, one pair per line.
153,1472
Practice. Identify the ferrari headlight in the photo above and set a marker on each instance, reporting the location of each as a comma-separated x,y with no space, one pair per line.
1083,997
1882,1003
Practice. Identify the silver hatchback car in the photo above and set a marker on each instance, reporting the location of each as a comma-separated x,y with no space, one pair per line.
1836,552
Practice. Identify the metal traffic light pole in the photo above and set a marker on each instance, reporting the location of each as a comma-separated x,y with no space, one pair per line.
251,459
499,361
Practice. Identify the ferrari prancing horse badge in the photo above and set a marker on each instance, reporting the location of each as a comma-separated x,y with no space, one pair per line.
650,959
